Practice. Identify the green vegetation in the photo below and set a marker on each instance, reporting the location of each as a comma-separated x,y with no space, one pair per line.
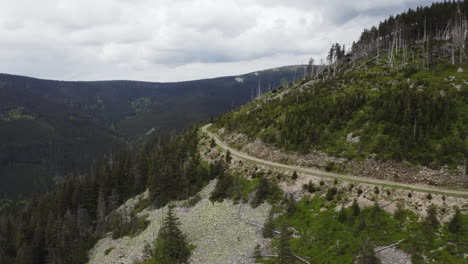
51,129
171,246
141,105
123,225
65,223
380,103
238,188
400,115
108,250
17,114
323,234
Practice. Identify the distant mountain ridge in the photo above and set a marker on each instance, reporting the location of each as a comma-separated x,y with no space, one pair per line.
51,128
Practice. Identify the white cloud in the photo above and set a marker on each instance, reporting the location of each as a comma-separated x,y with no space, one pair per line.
171,40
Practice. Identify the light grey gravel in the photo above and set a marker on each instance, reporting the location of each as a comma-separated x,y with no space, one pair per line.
214,230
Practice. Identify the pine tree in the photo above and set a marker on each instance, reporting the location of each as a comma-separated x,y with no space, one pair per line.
342,215
367,252
171,245
263,189
431,218
294,175
268,226
455,225
291,205
228,156
355,208
285,254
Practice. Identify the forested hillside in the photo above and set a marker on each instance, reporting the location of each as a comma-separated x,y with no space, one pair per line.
399,93
49,129
62,225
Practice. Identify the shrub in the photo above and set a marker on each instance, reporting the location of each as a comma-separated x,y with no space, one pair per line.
108,250
294,175
193,201
331,192
331,166
376,190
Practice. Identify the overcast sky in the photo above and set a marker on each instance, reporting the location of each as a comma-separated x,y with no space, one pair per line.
175,40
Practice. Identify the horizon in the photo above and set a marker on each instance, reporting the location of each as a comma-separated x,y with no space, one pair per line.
174,41
134,80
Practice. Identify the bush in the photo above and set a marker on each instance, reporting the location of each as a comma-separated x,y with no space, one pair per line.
331,192
108,250
310,187
331,166
376,190
193,201
359,192
294,175
121,226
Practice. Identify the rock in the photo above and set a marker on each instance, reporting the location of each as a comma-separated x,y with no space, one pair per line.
393,256
460,70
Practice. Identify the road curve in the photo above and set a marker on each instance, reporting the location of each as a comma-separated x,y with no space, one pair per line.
315,172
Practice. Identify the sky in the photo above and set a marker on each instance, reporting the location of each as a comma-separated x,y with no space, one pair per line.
176,40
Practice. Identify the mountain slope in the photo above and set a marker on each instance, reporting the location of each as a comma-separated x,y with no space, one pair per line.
52,128
405,103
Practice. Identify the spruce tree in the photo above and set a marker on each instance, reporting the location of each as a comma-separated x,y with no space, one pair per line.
228,156
294,175
285,254
269,225
455,224
431,218
355,208
367,252
171,245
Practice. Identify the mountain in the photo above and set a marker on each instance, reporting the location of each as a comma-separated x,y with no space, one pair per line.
52,128
209,194
395,96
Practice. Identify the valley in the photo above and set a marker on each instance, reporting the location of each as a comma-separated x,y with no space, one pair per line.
358,157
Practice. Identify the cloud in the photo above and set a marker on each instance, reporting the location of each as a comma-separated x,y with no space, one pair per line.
172,40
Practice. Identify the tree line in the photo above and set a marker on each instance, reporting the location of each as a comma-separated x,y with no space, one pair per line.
62,225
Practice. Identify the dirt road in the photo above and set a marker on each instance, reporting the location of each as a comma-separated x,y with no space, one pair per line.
315,172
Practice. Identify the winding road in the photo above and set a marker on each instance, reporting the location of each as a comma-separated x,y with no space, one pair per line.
319,173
